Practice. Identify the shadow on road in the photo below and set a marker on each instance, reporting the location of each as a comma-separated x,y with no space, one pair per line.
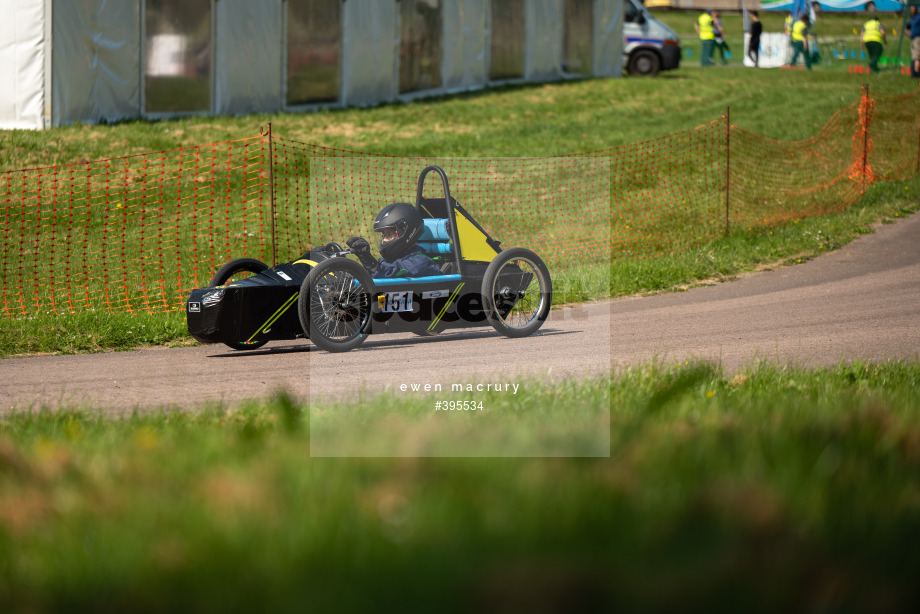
382,345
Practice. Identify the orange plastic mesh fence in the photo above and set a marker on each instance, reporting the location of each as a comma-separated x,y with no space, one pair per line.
130,233
558,206
774,181
668,194
137,233
894,137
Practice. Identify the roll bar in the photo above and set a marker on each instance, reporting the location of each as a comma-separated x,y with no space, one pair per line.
449,205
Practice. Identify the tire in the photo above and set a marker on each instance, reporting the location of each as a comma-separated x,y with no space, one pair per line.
234,267
644,62
531,306
225,274
335,304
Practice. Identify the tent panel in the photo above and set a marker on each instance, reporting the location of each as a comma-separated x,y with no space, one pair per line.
421,27
22,65
368,52
465,38
248,56
178,50
95,66
543,20
506,40
578,46
314,51
608,38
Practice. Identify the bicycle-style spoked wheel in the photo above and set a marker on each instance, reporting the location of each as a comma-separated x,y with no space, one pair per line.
517,292
334,304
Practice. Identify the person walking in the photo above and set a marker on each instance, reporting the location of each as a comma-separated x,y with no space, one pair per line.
873,36
706,32
720,44
754,42
800,42
914,41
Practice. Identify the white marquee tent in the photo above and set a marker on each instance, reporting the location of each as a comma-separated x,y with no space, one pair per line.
63,61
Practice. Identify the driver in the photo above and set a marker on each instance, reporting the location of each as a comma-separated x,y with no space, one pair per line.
400,226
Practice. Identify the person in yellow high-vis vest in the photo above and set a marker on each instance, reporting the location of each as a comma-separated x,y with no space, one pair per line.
706,31
873,35
800,42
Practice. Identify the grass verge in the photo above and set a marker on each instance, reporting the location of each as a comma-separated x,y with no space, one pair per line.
771,489
542,119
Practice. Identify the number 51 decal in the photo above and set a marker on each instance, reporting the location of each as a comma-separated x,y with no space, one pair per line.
391,302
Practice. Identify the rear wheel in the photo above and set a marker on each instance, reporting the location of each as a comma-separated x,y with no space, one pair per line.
644,62
517,292
233,271
238,269
335,304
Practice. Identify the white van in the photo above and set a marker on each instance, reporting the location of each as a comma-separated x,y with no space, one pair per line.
649,46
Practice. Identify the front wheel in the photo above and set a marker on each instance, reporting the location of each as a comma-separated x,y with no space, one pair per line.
335,304
517,292
236,270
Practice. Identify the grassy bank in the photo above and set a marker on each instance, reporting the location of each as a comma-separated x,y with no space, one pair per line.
510,121
770,489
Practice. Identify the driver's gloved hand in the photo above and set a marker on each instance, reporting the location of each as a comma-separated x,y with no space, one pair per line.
362,250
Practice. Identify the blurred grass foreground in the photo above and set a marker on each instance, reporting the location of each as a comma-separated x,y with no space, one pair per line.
771,489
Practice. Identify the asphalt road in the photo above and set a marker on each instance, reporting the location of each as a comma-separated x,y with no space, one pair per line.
859,303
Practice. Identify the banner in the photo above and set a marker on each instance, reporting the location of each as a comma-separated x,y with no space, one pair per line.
774,50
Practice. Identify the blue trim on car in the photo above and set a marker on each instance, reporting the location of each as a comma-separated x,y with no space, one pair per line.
395,281
648,41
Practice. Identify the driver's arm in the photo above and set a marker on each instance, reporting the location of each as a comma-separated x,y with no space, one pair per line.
362,249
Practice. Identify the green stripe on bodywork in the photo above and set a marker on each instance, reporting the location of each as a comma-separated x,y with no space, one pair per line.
450,300
275,316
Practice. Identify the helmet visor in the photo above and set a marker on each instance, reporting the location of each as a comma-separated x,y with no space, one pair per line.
388,234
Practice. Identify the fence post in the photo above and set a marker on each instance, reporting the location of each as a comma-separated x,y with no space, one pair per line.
728,132
864,117
271,191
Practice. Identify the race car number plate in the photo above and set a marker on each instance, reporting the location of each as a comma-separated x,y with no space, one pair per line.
397,301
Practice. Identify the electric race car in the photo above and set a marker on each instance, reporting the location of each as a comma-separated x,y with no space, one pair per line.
333,301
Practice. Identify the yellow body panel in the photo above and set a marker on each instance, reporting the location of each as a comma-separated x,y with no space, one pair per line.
473,244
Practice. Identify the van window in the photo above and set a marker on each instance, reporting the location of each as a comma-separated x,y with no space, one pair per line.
419,45
177,52
577,36
507,58
314,51
630,12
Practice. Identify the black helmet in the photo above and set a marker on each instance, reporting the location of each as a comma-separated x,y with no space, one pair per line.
408,224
